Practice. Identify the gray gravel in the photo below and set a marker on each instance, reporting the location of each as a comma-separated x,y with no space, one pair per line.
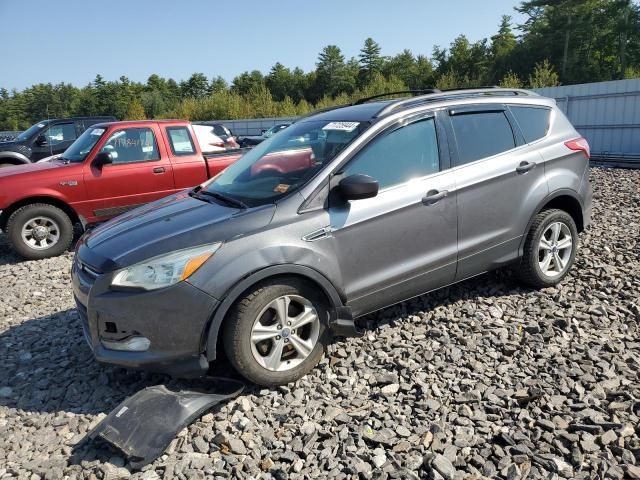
483,379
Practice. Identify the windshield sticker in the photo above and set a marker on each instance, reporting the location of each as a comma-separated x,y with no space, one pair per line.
343,126
147,149
40,125
97,131
281,188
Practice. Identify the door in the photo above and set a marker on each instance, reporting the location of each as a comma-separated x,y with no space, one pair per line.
402,242
140,173
500,180
53,140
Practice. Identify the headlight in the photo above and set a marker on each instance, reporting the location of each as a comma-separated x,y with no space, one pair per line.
164,270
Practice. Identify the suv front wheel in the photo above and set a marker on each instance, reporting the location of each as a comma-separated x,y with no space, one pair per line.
549,249
277,332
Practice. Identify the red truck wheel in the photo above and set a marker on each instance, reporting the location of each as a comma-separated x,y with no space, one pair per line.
39,231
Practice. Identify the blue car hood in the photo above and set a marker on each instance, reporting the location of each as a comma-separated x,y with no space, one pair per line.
172,223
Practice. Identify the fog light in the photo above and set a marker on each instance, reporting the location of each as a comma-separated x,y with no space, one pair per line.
131,344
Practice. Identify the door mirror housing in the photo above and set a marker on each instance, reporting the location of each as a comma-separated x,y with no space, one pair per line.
102,159
41,140
358,187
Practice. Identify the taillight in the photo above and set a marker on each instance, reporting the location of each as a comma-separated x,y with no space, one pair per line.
579,145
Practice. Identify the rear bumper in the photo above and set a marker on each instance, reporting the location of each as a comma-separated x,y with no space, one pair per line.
174,321
586,191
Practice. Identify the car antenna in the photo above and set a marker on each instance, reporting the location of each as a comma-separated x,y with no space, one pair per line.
49,142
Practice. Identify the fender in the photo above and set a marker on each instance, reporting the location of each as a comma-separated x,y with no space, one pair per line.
14,157
563,192
336,306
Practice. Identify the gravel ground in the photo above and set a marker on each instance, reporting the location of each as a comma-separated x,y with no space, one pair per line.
483,379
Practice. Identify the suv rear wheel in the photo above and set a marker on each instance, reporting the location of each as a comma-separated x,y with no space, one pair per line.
39,231
550,249
276,333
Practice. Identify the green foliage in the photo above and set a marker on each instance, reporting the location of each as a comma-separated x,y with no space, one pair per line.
511,80
543,75
561,41
135,111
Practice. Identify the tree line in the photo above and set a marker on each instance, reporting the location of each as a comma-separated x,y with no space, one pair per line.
560,42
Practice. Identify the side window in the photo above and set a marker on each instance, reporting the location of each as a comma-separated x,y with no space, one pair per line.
132,145
400,155
482,134
180,140
533,121
64,132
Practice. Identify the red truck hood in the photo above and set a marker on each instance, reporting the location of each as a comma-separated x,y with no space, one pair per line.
30,167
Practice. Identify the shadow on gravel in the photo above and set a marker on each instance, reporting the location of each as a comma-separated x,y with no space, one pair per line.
9,257
49,368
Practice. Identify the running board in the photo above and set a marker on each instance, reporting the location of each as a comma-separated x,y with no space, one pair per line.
144,425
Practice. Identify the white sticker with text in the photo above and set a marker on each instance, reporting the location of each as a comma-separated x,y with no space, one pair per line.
343,126
97,131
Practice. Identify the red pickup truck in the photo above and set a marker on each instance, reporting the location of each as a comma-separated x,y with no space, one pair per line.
111,168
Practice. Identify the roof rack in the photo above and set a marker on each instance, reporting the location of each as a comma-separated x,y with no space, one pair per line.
453,93
426,91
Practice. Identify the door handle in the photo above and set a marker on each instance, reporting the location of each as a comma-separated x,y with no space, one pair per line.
524,167
434,196
158,170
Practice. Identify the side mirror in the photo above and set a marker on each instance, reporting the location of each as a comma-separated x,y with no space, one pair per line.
102,158
41,140
358,187
263,131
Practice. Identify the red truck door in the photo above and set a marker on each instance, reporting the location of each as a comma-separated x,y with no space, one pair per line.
189,167
140,173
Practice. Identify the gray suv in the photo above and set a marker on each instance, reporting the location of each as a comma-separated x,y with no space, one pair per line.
343,213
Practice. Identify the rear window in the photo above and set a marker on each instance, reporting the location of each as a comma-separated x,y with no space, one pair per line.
533,121
481,134
181,143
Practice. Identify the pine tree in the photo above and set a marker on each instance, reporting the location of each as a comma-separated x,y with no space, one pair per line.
370,61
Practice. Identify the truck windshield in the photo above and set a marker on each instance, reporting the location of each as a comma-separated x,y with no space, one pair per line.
79,149
30,131
283,163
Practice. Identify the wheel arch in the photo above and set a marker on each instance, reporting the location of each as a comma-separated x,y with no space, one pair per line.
14,158
564,199
56,202
308,274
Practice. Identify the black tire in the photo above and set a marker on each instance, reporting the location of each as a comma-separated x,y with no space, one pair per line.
238,324
529,269
23,215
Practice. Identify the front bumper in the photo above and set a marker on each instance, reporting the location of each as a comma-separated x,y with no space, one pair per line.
173,319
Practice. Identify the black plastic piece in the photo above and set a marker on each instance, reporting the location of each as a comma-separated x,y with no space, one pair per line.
143,426
343,325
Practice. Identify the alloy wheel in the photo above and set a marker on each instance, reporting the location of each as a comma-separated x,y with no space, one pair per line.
554,249
285,333
40,233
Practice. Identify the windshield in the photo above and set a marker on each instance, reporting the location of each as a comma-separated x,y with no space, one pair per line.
30,131
79,149
283,163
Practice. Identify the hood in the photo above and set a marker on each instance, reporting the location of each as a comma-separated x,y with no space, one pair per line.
173,223
15,146
29,168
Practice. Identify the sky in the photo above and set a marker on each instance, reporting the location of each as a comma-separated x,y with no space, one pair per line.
71,40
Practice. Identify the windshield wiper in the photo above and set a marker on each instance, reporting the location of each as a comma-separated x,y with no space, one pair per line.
224,198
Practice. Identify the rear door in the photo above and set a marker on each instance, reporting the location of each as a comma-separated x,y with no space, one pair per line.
402,242
189,167
498,177
140,173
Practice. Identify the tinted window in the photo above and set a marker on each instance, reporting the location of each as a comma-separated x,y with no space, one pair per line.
64,132
534,122
395,158
480,135
220,131
132,145
180,140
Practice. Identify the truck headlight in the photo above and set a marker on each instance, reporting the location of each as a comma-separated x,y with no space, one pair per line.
164,270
